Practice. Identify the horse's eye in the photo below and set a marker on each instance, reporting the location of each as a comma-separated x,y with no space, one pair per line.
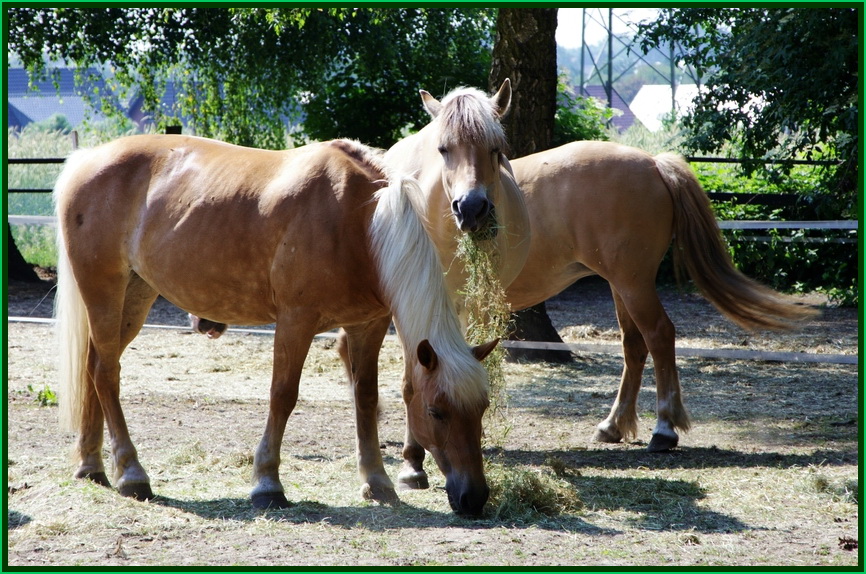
443,150
495,150
436,414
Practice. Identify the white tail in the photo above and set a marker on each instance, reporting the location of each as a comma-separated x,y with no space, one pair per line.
72,330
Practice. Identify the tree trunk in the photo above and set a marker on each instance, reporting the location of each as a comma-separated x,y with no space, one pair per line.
19,269
525,52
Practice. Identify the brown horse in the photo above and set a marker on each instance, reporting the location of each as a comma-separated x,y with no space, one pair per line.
137,218
599,208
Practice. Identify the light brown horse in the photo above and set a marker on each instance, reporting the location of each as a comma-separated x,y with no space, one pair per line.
308,238
600,208
459,163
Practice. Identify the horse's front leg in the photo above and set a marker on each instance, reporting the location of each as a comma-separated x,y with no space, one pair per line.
359,349
291,344
412,475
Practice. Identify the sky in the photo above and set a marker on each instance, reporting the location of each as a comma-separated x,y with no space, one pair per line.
568,30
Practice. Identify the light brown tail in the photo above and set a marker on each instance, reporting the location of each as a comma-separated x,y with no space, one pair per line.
700,248
72,330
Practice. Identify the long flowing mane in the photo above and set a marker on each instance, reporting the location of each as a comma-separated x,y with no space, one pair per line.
468,115
412,278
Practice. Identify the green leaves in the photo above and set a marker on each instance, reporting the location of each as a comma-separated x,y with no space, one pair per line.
246,75
780,82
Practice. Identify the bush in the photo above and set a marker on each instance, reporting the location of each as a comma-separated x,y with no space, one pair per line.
578,118
791,260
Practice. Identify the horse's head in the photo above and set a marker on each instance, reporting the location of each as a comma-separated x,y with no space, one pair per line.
471,141
444,406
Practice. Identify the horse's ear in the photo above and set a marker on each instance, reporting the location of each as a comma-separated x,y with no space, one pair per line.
481,351
427,356
431,104
502,99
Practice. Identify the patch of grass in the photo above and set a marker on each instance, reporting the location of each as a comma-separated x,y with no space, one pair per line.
46,397
838,490
523,494
37,244
189,454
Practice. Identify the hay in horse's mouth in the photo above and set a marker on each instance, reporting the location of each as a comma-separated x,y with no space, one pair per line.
488,230
487,311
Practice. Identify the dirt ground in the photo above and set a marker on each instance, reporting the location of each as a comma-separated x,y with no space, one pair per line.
768,475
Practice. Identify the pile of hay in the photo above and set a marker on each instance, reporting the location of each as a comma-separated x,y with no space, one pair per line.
518,494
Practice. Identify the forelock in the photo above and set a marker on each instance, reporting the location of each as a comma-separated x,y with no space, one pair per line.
468,116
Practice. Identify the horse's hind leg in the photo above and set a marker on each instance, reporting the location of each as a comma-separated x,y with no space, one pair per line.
645,310
621,423
111,314
359,349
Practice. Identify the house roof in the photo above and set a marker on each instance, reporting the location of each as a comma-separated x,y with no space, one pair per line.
622,121
18,82
43,99
15,118
37,108
652,103
26,103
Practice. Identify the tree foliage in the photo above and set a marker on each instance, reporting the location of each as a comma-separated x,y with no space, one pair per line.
780,83
578,117
243,74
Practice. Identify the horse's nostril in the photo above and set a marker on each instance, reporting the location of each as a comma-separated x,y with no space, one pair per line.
485,208
455,206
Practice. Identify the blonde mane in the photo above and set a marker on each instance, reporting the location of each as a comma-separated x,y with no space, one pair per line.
469,115
412,278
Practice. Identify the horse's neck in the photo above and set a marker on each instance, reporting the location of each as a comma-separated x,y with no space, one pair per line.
405,157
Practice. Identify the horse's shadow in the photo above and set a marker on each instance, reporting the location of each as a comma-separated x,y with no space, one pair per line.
686,458
15,519
650,500
375,517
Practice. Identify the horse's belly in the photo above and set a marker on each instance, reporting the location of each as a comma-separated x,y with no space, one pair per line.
217,298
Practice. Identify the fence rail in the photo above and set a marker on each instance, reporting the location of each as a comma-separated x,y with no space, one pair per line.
723,224
594,348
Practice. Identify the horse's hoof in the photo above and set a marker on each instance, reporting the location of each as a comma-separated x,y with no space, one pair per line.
413,480
383,494
662,442
602,435
97,477
136,490
272,500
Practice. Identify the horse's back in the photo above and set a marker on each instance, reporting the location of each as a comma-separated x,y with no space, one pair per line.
595,208
223,231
